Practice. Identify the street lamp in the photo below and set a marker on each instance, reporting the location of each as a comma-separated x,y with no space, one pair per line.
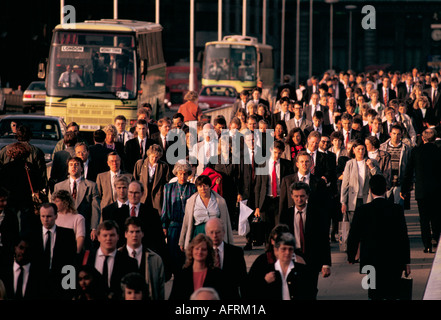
244,17
297,43
350,8
331,31
282,45
310,38
191,78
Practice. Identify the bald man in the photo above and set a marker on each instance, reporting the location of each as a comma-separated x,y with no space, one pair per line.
230,258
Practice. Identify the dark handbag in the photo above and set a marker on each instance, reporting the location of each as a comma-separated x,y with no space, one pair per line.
406,285
39,197
257,230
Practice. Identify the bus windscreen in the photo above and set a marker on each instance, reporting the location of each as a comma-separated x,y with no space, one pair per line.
230,62
92,65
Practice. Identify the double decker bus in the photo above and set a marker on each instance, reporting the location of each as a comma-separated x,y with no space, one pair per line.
100,69
238,61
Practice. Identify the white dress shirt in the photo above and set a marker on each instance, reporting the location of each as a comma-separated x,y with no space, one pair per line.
26,269
138,254
285,288
99,263
120,204
270,182
137,206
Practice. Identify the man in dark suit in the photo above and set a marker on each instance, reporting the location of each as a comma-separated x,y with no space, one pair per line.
256,94
59,162
20,277
284,114
287,85
98,155
321,167
319,125
309,223
302,173
375,225
229,258
424,166
299,120
121,185
267,189
149,263
386,92
143,113
310,109
434,95
53,247
107,260
136,148
154,238
348,133
240,104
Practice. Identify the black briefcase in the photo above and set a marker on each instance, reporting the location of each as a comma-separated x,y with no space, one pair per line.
257,231
406,284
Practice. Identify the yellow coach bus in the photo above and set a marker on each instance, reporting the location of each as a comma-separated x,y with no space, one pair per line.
100,69
238,61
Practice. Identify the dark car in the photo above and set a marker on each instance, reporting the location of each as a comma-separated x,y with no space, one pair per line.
46,131
216,96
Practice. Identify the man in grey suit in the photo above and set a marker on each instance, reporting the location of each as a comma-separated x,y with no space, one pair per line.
105,180
299,119
86,197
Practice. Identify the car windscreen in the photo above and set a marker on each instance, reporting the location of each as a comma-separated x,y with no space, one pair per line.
41,129
37,86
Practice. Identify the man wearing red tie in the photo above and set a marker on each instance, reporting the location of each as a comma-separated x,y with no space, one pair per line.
309,223
267,189
386,93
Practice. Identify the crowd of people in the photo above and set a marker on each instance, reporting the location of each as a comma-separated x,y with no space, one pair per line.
160,200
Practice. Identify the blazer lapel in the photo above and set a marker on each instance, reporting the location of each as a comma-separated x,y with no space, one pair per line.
82,188
108,184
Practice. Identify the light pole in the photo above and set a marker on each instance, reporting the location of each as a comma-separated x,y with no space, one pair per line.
115,9
310,38
282,44
297,43
219,20
350,8
191,77
157,11
331,30
264,22
244,17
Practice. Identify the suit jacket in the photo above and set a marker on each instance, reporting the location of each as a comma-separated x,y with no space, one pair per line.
246,183
402,91
392,94
276,117
33,285
418,119
174,138
350,185
238,105
155,275
98,161
104,185
9,231
63,254
317,185
123,264
424,166
309,114
327,129
261,188
366,133
215,278
132,153
383,159
154,238
87,202
291,124
316,232
59,166
234,268
436,103
161,178
354,135
374,225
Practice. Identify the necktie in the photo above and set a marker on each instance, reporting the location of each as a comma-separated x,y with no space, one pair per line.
253,174
106,271
47,249
74,190
301,228
385,97
164,143
217,258
433,98
303,179
140,148
207,152
134,253
274,181
312,164
132,212
347,138
120,137
19,291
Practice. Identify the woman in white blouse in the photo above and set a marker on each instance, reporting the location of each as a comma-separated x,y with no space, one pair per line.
355,185
200,207
68,217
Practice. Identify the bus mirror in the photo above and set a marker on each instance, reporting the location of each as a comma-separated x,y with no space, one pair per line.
200,56
41,71
143,66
